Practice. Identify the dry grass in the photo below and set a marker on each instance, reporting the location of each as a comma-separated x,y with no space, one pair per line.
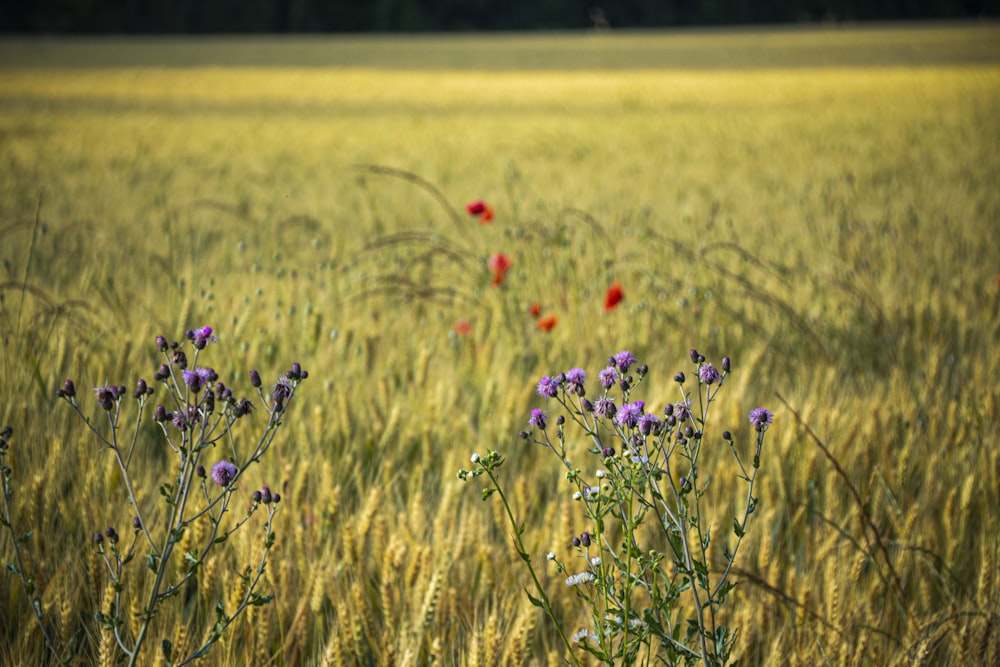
830,229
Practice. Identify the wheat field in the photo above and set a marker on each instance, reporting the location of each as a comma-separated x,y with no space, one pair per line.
822,206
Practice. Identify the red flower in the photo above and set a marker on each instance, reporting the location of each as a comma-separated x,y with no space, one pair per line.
547,323
498,265
481,210
613,297
535,310
462,327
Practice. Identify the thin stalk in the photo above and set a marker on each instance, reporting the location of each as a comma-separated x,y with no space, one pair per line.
547,605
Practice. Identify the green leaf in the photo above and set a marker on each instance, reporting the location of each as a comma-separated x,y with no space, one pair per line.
222,538
167,649
152,562
535,601
24,538
737,528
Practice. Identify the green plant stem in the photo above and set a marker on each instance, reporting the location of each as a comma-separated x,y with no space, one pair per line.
547,605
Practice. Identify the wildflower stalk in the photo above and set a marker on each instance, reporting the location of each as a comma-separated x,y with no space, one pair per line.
203,413
641,454
489,465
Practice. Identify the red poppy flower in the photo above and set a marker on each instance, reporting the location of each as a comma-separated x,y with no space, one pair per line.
547,323
481,210
462,327
498,265
613,296
535,310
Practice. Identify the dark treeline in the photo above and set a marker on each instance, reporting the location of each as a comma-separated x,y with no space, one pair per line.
298,16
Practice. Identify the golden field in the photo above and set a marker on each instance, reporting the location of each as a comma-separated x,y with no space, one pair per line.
821,205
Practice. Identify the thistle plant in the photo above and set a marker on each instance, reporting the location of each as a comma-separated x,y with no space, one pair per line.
196,417
646,565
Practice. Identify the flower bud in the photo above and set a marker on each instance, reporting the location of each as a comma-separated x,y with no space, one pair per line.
161,343
136,523
276,498
140,389
265,495
694,355
69,389
585,539
726,435
679,378
726,365
575,541
200,471
255,379
256,496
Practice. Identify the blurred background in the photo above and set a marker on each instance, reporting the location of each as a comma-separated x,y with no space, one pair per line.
297,16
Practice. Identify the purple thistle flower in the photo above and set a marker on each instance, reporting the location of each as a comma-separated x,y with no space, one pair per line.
624,360
202,337
608,376
761,418
682,411
105,396
708,374
629,414
179,421
548,387
537,418
281,391
605,407
224,472
648,423
242,408
575,377
193,380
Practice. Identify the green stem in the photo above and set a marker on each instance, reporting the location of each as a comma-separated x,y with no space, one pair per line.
527,560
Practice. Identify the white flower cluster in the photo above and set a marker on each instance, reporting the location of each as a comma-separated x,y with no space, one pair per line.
579,578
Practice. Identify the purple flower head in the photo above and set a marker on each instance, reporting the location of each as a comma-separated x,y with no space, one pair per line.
179,359
708,374
281,391
537,418
224,472
608,376
624,360
69,389
629,414
548,387
105,396
242,408
681,411
201,337
193,380
648,423
605,407
575,377
761,418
